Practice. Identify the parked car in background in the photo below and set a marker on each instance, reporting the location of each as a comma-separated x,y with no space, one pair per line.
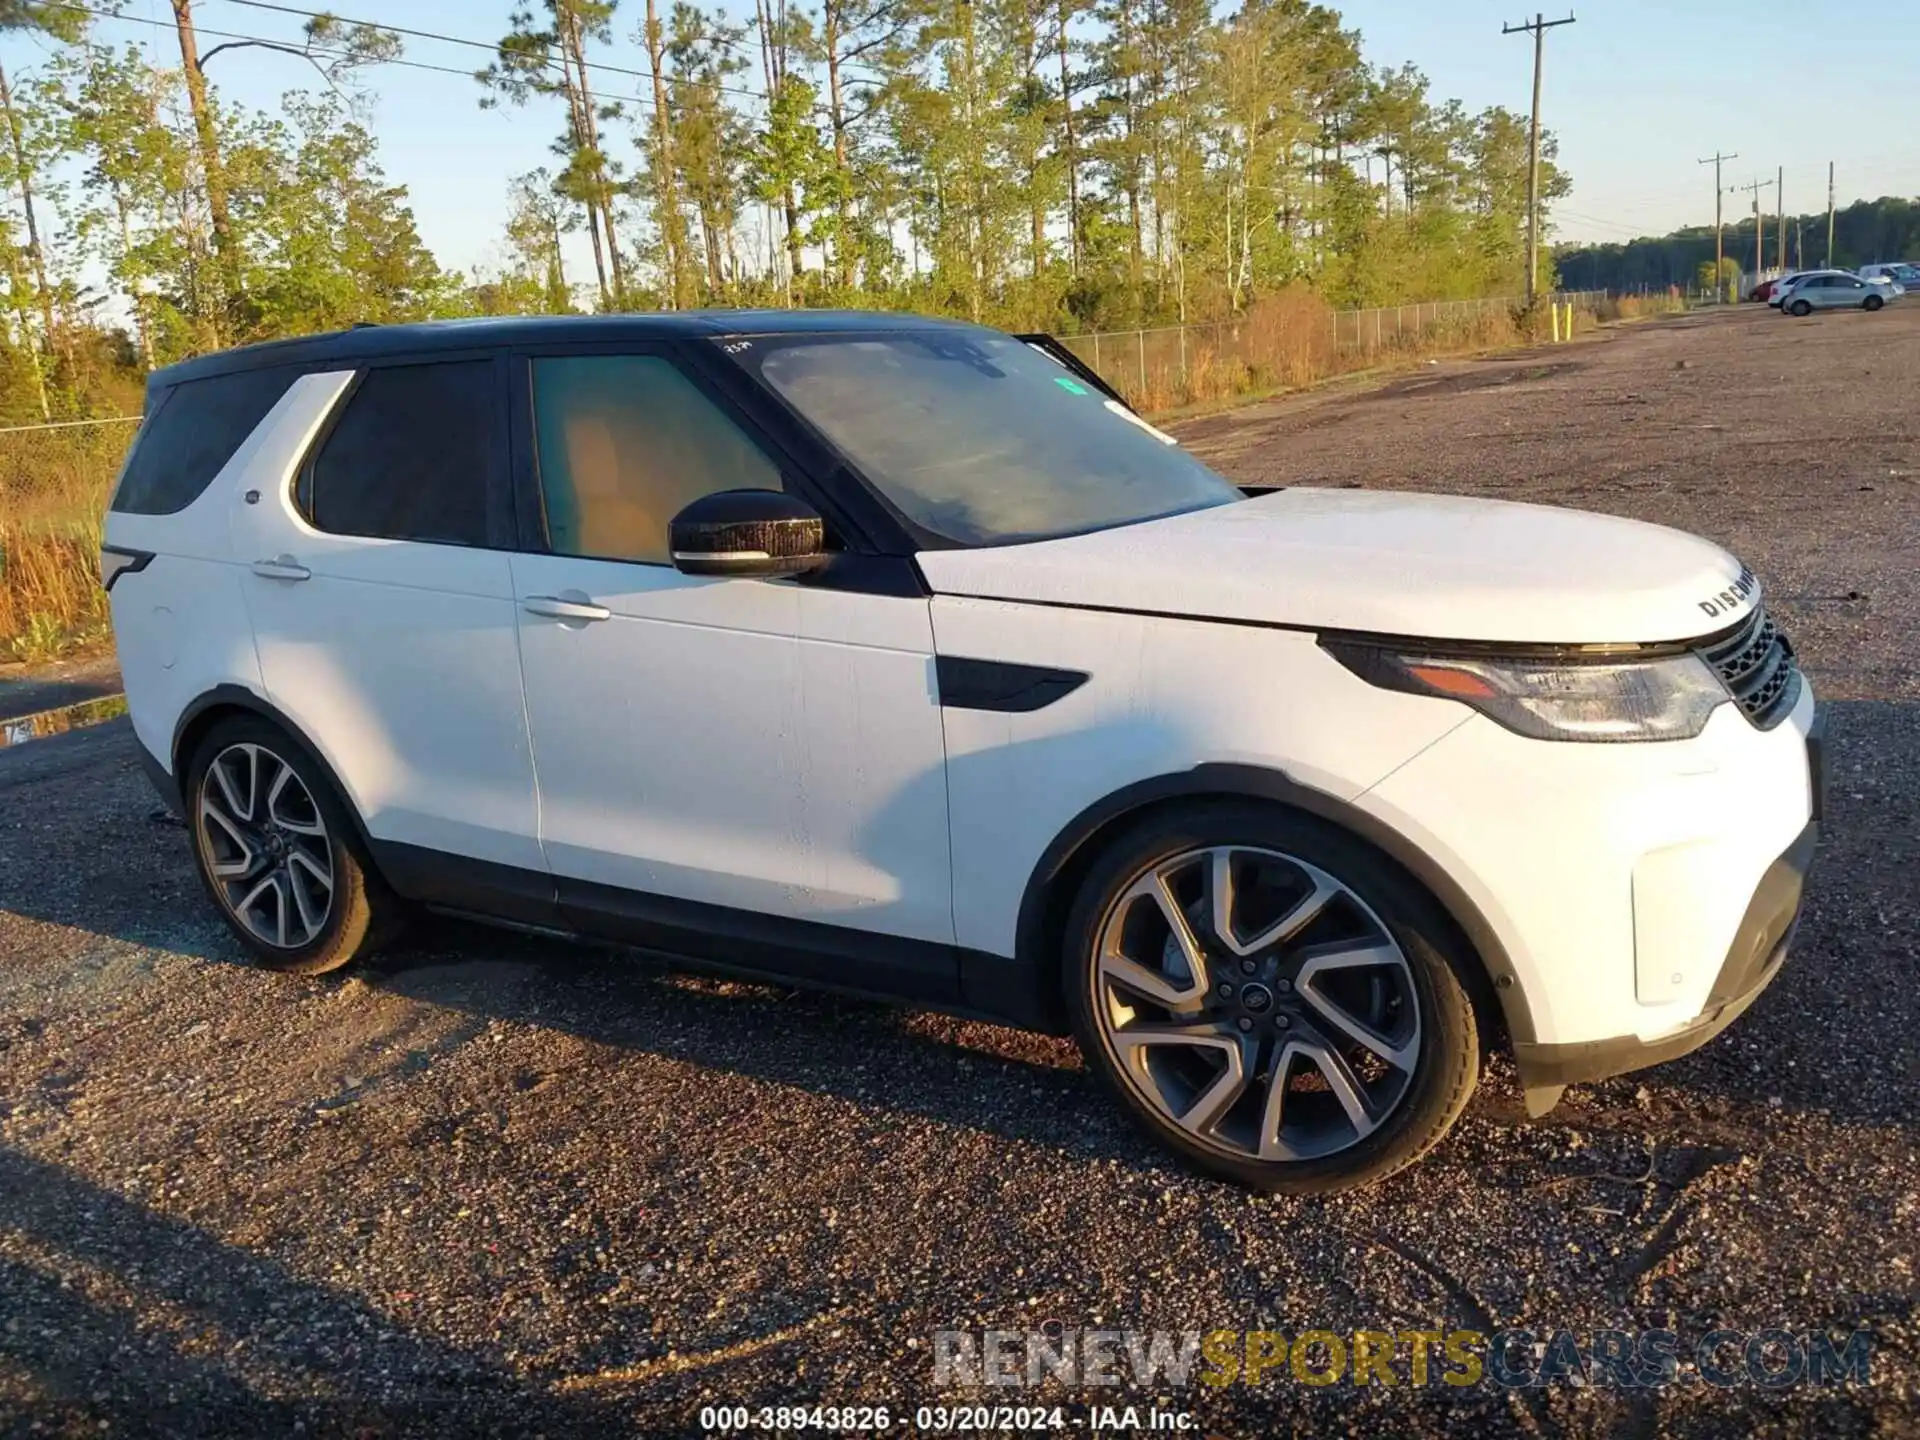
1776,290
1771,290
1835,290
901,656
1899,272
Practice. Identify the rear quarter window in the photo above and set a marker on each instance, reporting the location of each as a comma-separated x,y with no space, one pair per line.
409,456
191,431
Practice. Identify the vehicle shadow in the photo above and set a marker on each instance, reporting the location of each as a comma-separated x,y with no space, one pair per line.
965,1074
1857,1061
245,1332
973,1075
1838,1033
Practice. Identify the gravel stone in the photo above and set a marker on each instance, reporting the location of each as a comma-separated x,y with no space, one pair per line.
494,1185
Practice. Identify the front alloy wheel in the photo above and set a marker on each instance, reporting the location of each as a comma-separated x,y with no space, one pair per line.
1257,1003
1270,1000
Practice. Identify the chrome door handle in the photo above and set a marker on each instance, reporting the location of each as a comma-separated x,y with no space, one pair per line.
281,567
557,607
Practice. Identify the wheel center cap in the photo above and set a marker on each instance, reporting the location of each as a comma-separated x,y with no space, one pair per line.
1256,998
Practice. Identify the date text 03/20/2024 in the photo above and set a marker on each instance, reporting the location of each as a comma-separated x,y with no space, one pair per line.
943,1419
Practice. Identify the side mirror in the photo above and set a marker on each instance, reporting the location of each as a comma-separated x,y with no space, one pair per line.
746,534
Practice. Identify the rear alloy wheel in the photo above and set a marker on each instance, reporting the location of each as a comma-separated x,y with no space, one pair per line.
275,851
1270,999
1801,308
1873,302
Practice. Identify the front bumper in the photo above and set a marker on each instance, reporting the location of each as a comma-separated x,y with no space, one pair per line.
1616,881
1758,951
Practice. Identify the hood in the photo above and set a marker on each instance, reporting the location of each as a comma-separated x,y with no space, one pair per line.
1440,567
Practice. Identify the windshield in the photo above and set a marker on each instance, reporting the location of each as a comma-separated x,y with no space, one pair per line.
979,438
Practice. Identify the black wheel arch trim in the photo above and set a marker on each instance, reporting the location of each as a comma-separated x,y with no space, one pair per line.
238,697
1226,781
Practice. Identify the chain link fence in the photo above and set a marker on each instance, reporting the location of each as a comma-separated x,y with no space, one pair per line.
54,480
56,476
1279,343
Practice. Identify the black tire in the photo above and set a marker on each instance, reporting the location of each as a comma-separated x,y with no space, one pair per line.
1801,308
1447,1066
1872,303
360,914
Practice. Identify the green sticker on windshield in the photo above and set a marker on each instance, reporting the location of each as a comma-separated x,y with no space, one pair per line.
1072,387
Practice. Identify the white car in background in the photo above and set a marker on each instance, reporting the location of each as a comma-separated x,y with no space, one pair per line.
1779,288
1901,275
888,655
1835,290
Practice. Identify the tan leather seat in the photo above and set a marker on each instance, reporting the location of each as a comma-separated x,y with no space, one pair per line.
607,520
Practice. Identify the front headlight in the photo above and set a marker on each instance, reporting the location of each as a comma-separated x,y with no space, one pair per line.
1664,698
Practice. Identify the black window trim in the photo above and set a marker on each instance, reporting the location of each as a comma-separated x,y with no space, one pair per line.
502,532
797,475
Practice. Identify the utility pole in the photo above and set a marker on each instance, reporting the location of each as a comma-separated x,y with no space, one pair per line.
1538,27
1759,230
1829,214
1719,245
1780,204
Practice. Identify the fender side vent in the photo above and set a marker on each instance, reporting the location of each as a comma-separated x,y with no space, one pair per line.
997,685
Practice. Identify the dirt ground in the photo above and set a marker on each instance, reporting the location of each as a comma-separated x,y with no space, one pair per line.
495,1185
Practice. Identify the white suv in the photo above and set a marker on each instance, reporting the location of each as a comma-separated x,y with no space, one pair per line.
901,657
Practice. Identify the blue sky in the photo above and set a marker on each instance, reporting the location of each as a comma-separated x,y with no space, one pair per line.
1636,90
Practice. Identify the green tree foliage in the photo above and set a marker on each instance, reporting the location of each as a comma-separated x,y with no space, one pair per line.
712,139
1865,232
535,221
330,242
544,55
1031,163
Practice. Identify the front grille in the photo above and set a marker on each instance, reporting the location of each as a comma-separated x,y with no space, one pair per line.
1756,665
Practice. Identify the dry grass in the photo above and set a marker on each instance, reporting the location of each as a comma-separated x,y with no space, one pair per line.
50,596
54,483
1287,341
53,488
1641,307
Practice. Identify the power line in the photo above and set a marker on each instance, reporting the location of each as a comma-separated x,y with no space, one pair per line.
492,47
329,52
1633,231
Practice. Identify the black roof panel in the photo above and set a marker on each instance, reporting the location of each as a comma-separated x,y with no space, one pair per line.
370,342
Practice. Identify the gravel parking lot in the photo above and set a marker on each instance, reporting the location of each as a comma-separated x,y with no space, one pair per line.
496,1185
